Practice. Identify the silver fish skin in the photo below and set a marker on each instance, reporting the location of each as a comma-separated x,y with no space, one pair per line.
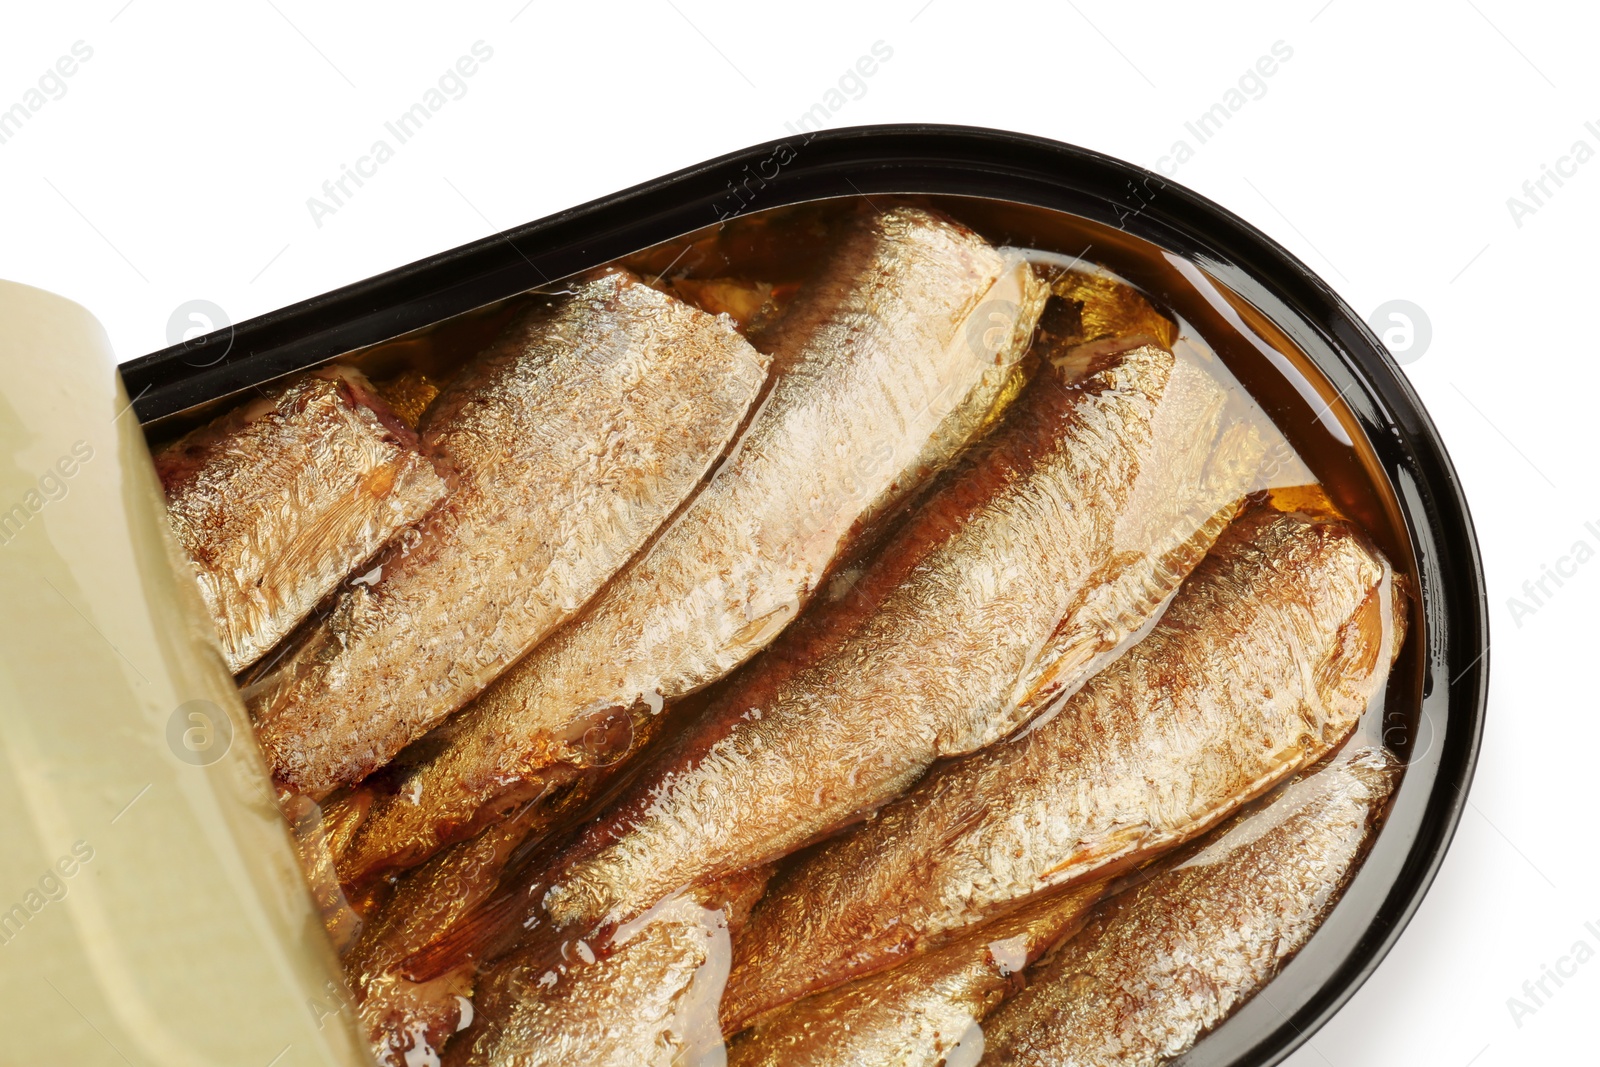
568,442
1263,663
883,367
993,592
278,500
1163,963
924,1014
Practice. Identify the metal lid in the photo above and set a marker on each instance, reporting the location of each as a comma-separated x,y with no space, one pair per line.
151,907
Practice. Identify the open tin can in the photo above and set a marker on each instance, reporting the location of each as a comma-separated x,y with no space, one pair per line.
1309,364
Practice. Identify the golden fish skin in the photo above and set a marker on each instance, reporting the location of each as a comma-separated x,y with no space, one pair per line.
880,375
408,1023
317,840
647,998
922,1013
1163,963
1262,664
409,393
399,1012
402,1016
569,441
277,501
940,646
1094,306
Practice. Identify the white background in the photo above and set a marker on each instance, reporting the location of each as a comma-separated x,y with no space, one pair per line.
178,162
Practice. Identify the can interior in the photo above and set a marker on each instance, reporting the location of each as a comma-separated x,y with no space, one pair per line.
1308,407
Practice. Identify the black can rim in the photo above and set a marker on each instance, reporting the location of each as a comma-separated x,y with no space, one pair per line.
956,160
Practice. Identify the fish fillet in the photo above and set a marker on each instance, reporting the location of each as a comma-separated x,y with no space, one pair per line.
925,1013
883,367
568,441
1262,664
1163,963
278,500
1039,557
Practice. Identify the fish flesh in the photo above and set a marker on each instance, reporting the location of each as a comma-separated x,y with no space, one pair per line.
1036,561
567,443
925,1013
646,998
277,501
1262,664
884,366
1163,963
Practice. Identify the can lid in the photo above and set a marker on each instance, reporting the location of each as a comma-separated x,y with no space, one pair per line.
150,898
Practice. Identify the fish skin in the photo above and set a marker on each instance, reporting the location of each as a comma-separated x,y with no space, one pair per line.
316,840
1096,306
1163,963
648,999
1262,664
876,384
568,441
398,1015
941,645
278,500
406,1024
409,393
923,1013
400,1011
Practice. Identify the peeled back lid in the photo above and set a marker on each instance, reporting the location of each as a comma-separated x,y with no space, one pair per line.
152,910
